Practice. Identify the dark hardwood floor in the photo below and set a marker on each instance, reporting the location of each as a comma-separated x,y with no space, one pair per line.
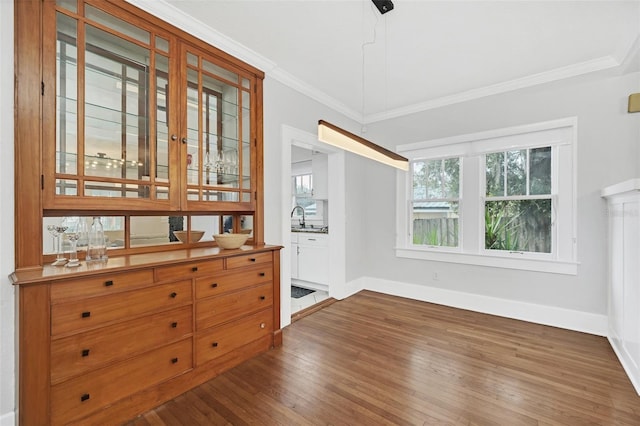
374,359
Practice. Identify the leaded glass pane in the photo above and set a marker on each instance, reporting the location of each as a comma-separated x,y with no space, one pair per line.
66,96
162,120
219,71
116,107
71,5
116,24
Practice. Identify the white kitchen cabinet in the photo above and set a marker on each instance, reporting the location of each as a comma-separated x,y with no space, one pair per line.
294,255
624,275
319,168
312,258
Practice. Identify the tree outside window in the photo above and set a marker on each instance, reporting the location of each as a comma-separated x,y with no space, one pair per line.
518,204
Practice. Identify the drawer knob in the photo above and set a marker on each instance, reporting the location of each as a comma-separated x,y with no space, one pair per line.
214,344
252,259
85,352
86,314
262,297
262,325
194,269
214,285
174,324
108,283
174,360
262,274
173,295
85,397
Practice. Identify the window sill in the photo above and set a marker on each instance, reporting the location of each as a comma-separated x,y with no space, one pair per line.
537,265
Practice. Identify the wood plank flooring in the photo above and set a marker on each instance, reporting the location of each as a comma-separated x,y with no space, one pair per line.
374,359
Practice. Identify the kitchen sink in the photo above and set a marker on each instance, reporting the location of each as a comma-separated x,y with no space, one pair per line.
323,230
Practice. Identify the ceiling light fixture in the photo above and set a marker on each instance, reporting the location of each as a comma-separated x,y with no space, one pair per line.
383,5
334,135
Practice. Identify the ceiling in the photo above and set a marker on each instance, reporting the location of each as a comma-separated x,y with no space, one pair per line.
421,55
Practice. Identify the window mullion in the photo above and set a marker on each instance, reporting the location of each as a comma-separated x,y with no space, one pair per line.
471,204
527,171
519,197
504,174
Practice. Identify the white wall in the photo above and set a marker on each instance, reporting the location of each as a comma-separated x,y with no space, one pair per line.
7,347
283,105
608,149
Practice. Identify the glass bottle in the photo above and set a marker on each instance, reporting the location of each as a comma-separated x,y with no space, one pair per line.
97,248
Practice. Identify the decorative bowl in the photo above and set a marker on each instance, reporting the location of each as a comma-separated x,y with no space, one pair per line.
230,241
182,236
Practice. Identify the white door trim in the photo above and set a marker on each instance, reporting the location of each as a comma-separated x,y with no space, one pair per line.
337,208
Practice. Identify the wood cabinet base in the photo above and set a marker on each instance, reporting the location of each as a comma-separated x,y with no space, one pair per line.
96,354
141,402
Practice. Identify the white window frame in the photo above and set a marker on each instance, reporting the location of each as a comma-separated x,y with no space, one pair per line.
560,135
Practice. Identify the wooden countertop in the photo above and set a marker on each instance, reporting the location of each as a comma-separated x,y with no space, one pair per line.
128,262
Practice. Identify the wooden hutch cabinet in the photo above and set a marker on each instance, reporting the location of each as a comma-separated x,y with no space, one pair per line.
121,115
139,115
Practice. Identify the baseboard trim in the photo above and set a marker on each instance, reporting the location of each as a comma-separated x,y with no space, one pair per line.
584,322
627,363
8,419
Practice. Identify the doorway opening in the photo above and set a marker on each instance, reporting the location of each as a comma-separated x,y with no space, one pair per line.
313,257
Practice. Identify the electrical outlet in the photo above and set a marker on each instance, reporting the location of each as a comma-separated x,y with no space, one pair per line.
435,276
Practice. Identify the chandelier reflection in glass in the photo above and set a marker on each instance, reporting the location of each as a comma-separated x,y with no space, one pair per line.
102,161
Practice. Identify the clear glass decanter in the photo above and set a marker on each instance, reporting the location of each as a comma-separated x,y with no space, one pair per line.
97,248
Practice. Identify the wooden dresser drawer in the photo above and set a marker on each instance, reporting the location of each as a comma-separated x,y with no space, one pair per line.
80,353
82,395
87,313
217,341
99,285
220,309
233,280
189,270
248,260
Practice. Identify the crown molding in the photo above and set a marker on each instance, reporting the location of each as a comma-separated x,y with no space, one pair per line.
631,60
575,70
315,94
199,29
180,19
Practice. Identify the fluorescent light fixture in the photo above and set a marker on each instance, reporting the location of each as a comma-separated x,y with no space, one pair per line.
334,135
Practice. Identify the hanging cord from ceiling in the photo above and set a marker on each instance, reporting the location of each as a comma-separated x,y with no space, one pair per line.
364,44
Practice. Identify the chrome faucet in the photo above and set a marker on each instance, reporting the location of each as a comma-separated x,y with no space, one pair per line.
302,224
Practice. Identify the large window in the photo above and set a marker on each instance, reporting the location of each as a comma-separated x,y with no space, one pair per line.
513,206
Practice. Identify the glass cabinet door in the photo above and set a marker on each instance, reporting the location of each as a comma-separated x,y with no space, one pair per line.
112,105
217,148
